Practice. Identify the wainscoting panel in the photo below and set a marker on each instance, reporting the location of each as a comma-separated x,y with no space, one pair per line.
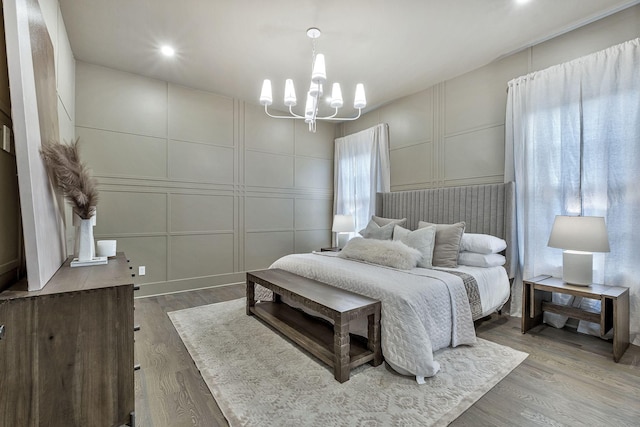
477,99
263,248
314,173
411,165
126,212
199,255
314,214
268,213
196,213
410,120
120,154
266,134
195,162
268,170
487,146
199,116
119,101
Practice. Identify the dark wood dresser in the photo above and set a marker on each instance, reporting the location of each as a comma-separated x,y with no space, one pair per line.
67,351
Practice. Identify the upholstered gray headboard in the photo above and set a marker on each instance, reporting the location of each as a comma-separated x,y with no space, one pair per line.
487,209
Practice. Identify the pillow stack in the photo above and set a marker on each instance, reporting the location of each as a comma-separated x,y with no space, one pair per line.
440,245
481,250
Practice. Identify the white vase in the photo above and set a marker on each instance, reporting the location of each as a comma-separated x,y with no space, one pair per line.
86,244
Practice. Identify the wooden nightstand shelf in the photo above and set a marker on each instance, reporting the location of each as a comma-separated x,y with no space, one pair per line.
331,249
614,312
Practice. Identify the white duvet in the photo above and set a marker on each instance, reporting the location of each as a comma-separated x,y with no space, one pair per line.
423,310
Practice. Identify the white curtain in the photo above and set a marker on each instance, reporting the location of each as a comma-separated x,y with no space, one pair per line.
361,169
573,147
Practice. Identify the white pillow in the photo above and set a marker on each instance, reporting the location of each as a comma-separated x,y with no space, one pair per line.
422,239
383,252
474,259
482,243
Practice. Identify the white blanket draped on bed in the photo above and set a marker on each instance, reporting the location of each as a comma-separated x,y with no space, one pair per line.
423,310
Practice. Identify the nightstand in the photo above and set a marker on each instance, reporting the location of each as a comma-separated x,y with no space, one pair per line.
331,249
614,307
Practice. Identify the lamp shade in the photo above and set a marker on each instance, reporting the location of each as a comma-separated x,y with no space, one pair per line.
289,94
336,96
319,73
343,224
579,233
360,100
266,97
309,106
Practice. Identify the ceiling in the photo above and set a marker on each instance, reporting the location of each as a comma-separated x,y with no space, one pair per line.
395,47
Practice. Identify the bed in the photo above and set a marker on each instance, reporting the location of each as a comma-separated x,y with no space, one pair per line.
426,309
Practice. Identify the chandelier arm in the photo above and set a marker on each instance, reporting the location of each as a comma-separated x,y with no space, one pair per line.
346,119
294,116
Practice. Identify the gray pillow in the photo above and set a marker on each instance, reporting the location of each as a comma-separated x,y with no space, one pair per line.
422,239
392,254
374,231
447,247
384,221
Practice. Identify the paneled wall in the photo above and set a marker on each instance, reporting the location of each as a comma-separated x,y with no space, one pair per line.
198,187
453,133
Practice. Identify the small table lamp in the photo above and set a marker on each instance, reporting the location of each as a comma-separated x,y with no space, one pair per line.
579,236
343,224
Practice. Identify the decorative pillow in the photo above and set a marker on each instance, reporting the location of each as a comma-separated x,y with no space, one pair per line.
374,231
383,252
384,221
481,260
422,239
482,243
448,236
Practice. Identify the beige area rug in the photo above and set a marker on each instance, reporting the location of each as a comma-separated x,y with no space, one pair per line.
260,379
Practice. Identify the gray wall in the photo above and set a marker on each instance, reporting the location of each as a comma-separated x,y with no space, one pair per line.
453,133
198,187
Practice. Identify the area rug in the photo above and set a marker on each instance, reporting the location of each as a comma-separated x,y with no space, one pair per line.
261,379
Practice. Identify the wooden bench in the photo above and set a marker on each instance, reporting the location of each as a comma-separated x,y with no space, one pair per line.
330,343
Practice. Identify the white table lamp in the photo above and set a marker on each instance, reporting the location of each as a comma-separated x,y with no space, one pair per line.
343,224
579,236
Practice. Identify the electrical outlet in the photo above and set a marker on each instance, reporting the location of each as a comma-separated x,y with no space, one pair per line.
142,270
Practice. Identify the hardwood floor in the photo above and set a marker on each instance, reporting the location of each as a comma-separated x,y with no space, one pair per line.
568,379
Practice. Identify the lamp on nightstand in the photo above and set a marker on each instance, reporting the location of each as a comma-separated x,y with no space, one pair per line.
579,236
343,224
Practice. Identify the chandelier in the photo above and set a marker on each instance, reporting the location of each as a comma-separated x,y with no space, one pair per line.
315,92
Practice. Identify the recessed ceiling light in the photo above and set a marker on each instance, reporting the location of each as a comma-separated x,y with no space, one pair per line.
167,50
522,1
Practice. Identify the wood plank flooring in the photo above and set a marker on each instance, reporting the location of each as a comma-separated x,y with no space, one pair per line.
569,379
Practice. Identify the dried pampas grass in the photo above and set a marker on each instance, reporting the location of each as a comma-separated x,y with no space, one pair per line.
71,177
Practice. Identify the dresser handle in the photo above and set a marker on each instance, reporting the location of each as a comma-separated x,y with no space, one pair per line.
1,332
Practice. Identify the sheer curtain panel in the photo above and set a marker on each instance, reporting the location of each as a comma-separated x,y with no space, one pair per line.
361,170
573,148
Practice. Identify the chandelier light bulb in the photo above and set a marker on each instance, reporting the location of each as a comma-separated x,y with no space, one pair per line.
289,94
336,96
266,97
360,100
